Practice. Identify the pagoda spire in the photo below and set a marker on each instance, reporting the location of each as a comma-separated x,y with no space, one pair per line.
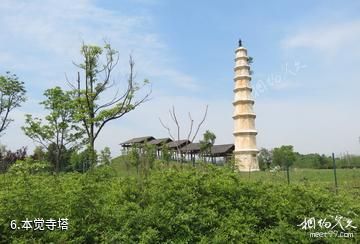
244,115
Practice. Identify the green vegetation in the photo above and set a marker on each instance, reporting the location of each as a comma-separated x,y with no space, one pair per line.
285,157
207,142
75,118
307,161
175,204
12,95
348,179
59,132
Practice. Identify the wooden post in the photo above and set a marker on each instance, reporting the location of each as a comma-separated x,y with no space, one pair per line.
334,167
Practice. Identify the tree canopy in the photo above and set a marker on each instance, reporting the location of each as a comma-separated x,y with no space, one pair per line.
58,130
12,94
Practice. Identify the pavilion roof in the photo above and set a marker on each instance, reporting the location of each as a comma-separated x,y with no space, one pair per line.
138,140
160,142
222,150
191,148
178,143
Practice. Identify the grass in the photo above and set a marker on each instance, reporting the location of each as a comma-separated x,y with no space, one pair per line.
348,179
344,176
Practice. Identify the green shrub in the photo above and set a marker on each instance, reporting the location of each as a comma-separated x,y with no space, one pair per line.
80,161
173,205
29,166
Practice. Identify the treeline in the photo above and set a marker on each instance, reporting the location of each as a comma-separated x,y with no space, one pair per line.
310,161
318,161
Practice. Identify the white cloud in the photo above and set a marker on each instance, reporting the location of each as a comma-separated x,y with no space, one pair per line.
328,38
47,36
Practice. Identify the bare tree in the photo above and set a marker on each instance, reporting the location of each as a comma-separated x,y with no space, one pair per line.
191,135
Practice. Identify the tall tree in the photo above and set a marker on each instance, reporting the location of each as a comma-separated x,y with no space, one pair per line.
265,158
105,156
59,130
91,87
207,142
12,94
285,157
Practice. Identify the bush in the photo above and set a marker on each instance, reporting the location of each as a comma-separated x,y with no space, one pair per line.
7,157
175,205
29,166
81,162
105,156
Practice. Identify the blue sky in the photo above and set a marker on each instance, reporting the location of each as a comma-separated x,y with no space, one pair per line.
306,57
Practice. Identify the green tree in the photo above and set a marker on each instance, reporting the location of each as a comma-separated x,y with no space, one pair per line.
147,158
92,87
207,142
133,157
80,161
39,153
105,156
51,156
325,162
285,157
165,154
59,128
12,94
265,158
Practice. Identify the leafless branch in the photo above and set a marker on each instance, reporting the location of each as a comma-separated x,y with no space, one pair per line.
199,125
191,126
69,82
168,129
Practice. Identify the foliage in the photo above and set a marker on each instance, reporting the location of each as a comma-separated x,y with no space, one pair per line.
148,157
7,157
92,86
207,142
348,161
284,156
105,156
59,130
183,205
12,94
313,161
29,166
165,154
133,158
142,158
65,156
39,153
265,158
81,161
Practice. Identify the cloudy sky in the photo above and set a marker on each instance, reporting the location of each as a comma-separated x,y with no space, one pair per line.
306,64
